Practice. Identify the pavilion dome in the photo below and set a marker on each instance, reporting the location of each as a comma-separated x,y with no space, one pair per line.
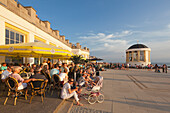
137,46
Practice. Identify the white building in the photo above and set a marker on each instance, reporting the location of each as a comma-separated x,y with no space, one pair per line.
138,54
21,24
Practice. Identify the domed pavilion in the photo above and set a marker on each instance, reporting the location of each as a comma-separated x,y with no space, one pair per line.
138,54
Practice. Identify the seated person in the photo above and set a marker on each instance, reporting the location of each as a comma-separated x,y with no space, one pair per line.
45,70
89,80
6,73
82,80
38,75
31,72
3,67
21,82
55,70
64,76
67,92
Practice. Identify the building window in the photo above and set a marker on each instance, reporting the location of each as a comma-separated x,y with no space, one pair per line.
35,40
7,36
130,56
13,37
17,60
135,55
17,38
141,55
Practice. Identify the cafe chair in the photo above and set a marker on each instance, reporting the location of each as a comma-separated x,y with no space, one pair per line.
24,74
56,84
12,84
38,88
50,83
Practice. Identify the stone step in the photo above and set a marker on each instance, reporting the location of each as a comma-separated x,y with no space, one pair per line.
65,106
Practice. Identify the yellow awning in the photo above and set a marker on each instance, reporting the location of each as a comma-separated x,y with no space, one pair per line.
34,49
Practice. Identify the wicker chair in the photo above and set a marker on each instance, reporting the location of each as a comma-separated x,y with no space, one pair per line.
38,87
56,84
12,84
50,83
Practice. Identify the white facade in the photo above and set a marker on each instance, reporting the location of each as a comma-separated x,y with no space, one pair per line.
11,21
83,53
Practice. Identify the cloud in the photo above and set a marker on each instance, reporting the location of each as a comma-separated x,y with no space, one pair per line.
168,26
126,32
104,45
112,46
131,26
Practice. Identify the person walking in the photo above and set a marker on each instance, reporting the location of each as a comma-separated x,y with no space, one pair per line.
156,67
164,68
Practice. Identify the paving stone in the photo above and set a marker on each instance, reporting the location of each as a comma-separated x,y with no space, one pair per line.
122,95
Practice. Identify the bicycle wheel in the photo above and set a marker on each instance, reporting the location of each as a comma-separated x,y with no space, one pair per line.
92,99
100,98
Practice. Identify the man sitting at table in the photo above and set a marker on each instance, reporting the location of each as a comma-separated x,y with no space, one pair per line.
38,74
21,82
6,73
67,92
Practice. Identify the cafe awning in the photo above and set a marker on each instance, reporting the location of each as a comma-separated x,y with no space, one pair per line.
34,49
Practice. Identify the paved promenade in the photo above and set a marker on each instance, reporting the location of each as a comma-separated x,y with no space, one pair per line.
133,91
50,105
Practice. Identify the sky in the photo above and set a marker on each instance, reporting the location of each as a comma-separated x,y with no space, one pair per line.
109,27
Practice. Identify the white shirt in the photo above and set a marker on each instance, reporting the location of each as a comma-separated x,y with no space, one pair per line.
45,64
59,63
5,74
64,91
62,76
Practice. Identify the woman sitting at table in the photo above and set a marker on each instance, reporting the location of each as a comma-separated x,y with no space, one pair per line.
21,82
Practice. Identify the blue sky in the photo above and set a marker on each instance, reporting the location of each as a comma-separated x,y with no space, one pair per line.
109,27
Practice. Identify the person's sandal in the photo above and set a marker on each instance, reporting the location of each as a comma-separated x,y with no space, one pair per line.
79,104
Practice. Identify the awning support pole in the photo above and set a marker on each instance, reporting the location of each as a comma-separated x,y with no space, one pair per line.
39,60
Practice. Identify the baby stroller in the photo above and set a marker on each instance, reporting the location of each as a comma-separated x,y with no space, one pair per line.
94,94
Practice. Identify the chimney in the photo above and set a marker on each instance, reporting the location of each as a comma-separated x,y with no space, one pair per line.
32,13
47,25
63,38
70,44
57,33
78,45
67,41
85,48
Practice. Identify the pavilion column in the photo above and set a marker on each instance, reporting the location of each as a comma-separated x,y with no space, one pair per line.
132,56
144,56
149,57
138,59
127,57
